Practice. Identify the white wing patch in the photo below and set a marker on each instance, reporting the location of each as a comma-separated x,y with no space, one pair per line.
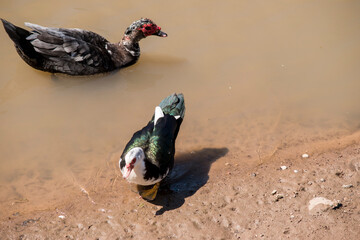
34,26
158,114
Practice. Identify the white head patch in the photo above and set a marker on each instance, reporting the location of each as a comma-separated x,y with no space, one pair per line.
137,153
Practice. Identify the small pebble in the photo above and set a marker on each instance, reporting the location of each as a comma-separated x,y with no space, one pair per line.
227,164
279,196
340,174
253,174
347,186
322,180
305,155
283,167
336,205
274,192
310,182
292,216
296,171
61,216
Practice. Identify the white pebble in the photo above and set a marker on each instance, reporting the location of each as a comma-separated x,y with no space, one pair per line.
273,192
61,216
296,171
305,155
321,200
283,167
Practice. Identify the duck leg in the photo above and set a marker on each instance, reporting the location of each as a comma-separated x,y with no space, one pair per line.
148,192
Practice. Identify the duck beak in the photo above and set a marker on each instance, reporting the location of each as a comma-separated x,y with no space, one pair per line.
128,169
160,34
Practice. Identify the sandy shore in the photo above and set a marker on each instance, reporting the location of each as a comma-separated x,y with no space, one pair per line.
213,198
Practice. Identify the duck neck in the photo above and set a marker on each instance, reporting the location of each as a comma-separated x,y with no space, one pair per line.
131,45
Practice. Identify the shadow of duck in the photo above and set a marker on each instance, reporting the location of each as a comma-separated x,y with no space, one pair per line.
189,174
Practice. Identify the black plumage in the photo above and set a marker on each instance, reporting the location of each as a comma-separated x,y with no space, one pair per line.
76,51
158,144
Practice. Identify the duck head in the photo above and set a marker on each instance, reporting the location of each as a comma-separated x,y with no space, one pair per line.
143,28
134,161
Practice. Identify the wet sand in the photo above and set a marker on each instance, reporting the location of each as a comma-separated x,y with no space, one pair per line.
214,197
263,82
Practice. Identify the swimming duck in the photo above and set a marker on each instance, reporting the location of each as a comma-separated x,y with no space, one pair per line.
149,156
75,51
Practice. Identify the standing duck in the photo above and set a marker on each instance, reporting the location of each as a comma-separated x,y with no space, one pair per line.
78,52
149,155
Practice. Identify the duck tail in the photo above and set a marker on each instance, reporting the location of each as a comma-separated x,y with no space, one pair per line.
174,105
18,36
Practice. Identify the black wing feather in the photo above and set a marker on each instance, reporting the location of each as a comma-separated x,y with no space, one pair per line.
161,149
72,45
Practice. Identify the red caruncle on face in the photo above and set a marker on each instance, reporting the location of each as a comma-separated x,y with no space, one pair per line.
149,29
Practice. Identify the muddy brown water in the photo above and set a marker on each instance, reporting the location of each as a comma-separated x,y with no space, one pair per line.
258,76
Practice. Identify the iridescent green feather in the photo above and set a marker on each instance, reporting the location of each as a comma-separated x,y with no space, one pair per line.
159,142
139,139
173,105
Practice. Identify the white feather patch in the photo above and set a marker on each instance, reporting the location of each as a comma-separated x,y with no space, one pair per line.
34,26
177,117
158,114
78,58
